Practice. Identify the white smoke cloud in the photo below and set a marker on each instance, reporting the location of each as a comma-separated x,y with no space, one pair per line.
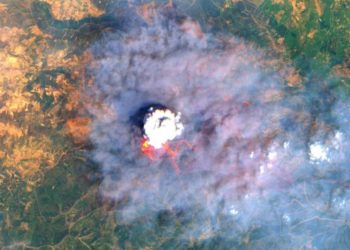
261,157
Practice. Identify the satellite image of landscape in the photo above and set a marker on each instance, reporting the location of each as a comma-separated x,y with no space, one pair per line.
184,124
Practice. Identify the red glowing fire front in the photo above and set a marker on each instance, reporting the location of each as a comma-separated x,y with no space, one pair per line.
154,154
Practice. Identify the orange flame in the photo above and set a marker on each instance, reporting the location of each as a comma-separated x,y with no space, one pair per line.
147,149
173,155
150,151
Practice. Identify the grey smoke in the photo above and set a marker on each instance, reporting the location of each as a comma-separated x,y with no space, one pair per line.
264,157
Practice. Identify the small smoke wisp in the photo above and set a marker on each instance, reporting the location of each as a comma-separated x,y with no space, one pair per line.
250,154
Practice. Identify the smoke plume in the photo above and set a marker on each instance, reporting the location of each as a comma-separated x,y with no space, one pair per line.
255,155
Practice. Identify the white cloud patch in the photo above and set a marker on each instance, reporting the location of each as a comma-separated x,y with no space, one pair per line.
161,126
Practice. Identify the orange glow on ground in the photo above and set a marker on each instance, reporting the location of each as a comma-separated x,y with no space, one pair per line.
173,155
149,151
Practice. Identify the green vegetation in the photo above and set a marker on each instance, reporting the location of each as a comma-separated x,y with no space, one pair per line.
316,33
61,207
